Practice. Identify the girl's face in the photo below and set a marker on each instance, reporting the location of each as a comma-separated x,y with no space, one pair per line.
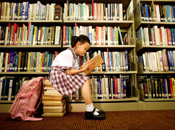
82,48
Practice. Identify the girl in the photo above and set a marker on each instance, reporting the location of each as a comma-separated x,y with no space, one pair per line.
66,78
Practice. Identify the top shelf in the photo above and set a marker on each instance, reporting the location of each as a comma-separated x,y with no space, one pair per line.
137,13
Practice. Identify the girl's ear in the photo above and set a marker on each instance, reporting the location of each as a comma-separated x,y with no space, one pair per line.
78,43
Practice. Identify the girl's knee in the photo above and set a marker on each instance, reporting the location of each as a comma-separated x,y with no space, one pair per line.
88,81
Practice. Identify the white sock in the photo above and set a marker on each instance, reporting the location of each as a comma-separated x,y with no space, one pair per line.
90,107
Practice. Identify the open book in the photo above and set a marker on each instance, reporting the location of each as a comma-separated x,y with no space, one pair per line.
97,61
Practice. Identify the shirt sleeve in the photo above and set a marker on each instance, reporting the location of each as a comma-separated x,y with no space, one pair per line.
64,60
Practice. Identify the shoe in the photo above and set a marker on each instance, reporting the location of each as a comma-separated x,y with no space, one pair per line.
91,116
101,111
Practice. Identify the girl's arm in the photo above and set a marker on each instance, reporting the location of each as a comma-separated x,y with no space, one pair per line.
71,72
85,67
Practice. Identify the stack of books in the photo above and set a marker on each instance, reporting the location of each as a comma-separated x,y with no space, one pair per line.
53,102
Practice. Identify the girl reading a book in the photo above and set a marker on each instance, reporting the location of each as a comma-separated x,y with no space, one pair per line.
66,77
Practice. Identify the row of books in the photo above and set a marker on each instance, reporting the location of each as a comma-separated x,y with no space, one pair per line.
158,87
156,36
158,13
113,60
107,87
30,35
98,35
93,11
9,86
26,61
102,87
28,11
41,62
163,60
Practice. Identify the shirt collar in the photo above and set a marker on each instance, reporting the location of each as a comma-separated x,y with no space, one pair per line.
73,52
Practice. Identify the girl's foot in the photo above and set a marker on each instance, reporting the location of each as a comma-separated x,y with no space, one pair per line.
95,115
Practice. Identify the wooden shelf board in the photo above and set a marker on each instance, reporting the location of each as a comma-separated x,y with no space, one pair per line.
4,101
169,72
142,47
30,46
159,23
159,99
27,73
145,23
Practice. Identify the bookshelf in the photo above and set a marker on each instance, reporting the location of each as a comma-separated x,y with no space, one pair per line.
126,25
137,10
158,103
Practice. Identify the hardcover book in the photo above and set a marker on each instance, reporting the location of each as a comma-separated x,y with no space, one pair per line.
96,60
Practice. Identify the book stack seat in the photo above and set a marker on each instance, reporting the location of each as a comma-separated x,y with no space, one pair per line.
53,102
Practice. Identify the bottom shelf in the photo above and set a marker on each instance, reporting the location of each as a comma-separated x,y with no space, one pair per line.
111,106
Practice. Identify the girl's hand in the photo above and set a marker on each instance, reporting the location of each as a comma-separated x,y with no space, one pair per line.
87,66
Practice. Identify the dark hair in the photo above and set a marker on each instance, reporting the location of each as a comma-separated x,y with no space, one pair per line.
82,39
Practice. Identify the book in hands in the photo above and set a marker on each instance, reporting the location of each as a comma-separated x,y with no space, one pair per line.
96,60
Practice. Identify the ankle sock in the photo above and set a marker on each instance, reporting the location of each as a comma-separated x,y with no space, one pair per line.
90,107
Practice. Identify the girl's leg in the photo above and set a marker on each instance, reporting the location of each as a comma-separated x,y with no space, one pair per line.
86,92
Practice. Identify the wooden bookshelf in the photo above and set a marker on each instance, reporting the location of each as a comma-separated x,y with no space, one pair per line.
152,103
137,13
125,25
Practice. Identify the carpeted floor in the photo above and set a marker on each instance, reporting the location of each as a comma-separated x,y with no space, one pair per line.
121,120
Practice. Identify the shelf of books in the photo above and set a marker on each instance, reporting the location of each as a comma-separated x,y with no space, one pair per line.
33,33
156,12
156,53
108,25
30,38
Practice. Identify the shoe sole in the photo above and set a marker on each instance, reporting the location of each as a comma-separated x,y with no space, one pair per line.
92,118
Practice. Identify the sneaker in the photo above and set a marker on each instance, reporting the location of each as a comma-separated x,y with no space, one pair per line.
91,116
